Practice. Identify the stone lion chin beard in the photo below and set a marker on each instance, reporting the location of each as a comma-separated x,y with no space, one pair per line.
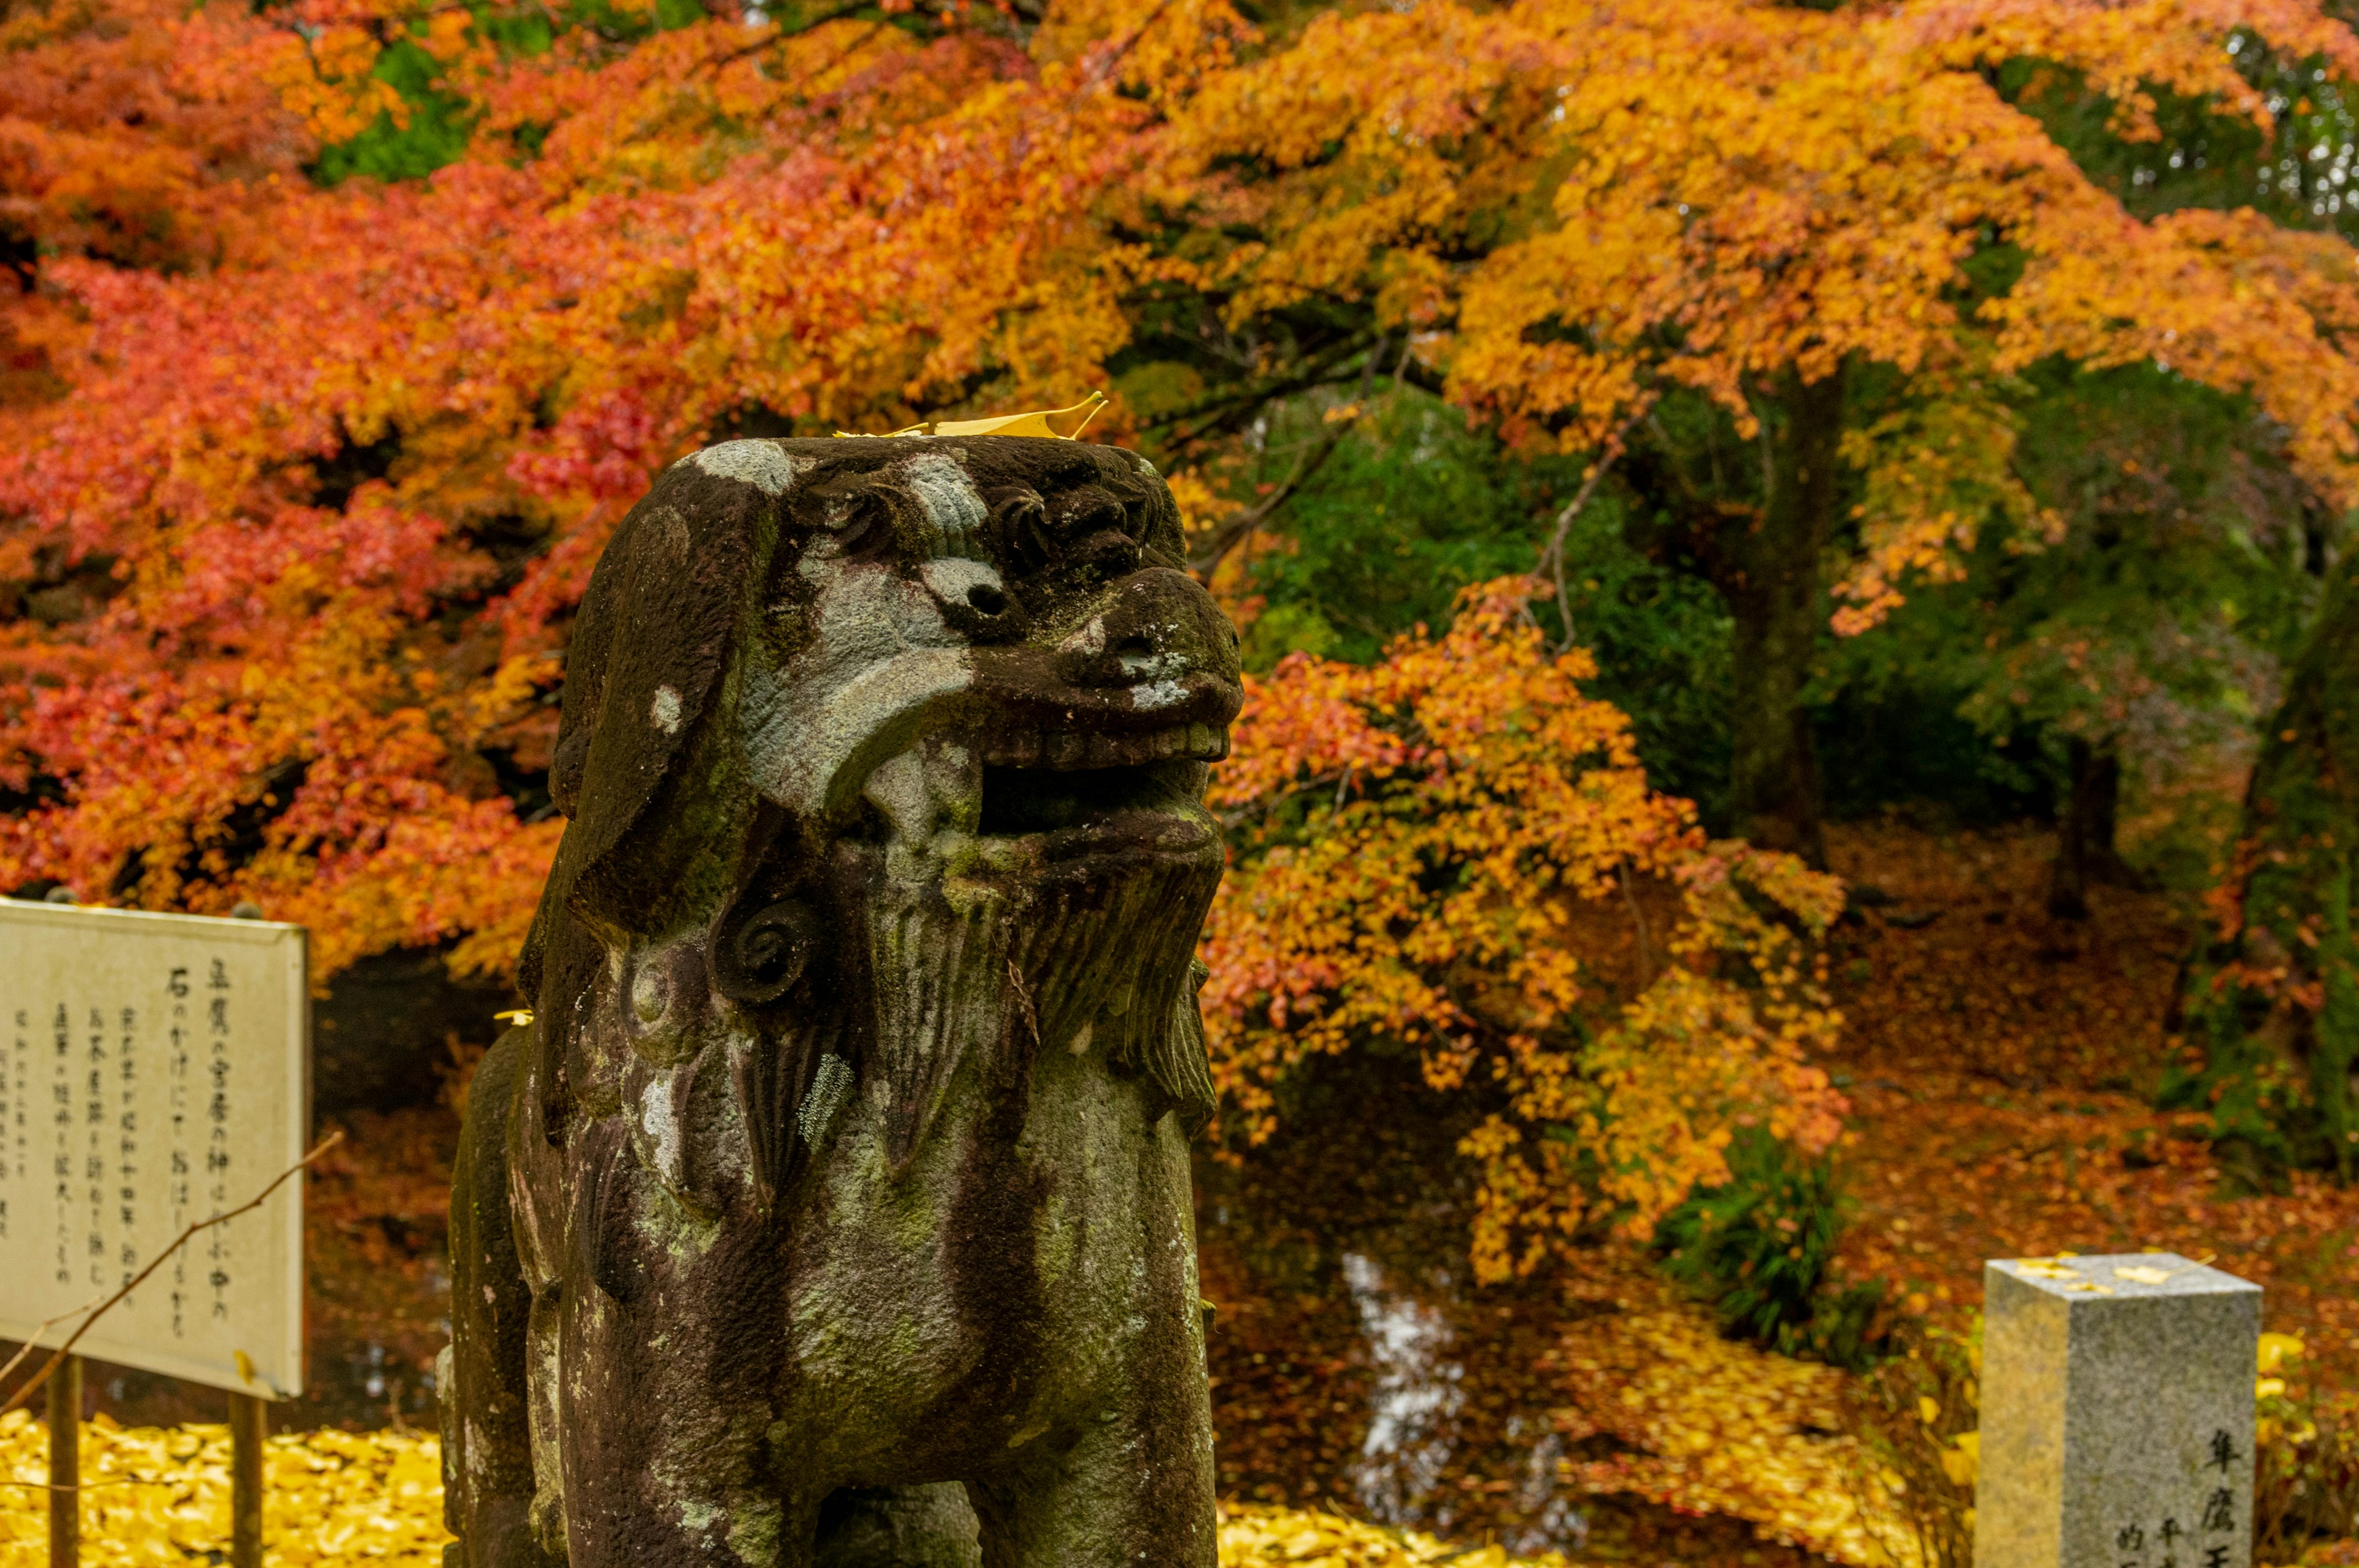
1009,910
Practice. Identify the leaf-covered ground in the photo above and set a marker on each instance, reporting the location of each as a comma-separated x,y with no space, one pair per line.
161,1496
1999,1063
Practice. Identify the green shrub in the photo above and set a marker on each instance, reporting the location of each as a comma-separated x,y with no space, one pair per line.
1758,1249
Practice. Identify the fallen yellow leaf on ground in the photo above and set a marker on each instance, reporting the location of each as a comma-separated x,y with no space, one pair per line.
1712,1425
1253,1535
157,1496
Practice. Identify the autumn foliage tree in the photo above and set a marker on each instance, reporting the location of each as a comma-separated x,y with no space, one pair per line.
302,533
303,471
1411,840
1785,260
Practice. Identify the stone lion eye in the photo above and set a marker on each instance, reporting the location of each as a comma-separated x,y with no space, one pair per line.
986,600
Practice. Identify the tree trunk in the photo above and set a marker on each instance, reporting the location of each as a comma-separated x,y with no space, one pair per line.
2085,851
1770,574
2272,1006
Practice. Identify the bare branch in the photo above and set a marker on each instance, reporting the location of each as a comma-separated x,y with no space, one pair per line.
33,1340
714,62
1238,526
1553,556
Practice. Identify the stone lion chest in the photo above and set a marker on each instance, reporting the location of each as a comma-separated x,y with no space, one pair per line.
835,1208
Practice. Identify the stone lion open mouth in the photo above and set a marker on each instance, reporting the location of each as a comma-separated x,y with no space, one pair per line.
1091,743
1059,816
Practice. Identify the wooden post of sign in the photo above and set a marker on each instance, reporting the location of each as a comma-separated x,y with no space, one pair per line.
249,1423
65,1463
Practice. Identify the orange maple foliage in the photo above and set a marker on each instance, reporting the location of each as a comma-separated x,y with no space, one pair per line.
1408,838
280,623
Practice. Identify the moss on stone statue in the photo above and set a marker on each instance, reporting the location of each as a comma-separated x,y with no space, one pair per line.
2270,1010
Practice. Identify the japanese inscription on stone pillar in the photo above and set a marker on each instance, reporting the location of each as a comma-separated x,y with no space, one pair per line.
155,1074
2116,1414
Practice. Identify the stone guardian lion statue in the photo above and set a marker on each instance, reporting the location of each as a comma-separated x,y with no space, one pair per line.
834,1207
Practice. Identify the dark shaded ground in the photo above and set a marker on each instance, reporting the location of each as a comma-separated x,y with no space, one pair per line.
1354,1366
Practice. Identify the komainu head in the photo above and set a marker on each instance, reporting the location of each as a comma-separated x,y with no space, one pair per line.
882,760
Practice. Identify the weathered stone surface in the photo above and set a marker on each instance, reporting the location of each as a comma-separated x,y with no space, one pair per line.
2116,1414
835,1209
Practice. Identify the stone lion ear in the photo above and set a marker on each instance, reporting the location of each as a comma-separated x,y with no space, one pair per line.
653,636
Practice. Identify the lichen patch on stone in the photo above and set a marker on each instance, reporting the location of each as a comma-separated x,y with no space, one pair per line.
758,463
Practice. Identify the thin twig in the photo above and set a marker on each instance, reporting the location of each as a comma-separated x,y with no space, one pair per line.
1239,526
1023,999
1638,919
1103,67
714,62
1554,554
33,1340
85,1486
17,1398
845,53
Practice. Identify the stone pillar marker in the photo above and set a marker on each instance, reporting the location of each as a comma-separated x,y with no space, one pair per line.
2116,1414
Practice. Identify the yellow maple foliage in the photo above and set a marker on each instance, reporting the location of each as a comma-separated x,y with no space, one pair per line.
161,1494
1576,207
1410,840
1567,208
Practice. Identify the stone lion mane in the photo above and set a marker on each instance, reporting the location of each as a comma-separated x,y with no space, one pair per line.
835,1208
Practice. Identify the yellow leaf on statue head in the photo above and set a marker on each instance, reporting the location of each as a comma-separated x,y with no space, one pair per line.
1033,424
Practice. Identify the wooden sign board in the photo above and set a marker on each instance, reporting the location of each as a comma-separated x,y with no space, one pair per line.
156,1072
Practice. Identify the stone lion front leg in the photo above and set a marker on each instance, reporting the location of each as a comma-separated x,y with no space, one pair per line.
669,1350
1129,1489
488,1486
1125,1478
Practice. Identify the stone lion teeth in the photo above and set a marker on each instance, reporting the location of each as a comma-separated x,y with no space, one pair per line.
1169,743
1063,748
1103,753
1023,747
1200,740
